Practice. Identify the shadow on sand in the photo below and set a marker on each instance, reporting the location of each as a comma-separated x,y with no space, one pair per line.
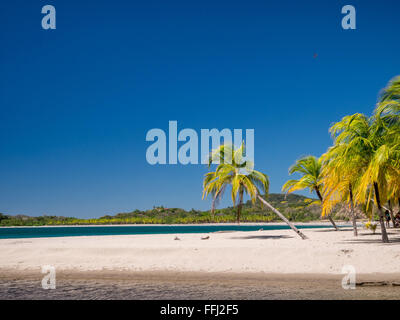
392,238
332,230
262,237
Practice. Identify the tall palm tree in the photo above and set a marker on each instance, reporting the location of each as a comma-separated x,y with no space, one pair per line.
394,195
310,168
387,114
341,168
366,151
374,180
240,175
338,186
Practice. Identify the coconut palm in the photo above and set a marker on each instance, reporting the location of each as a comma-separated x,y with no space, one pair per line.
380,167
232,171
387,114
365,148
388,106
393,182
241,177
341,168
310,168
338,188
394,195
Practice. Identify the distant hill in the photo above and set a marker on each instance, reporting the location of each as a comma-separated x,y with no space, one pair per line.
289,199
294,207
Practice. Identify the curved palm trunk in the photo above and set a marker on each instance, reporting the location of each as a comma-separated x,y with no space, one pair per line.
385,238
280,215
391,213
329,216
240,204
353,214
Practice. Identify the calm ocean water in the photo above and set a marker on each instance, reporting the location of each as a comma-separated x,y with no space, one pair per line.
45,232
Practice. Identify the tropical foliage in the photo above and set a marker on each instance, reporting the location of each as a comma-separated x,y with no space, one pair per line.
362,168
233,171
310,168
240,175
295,208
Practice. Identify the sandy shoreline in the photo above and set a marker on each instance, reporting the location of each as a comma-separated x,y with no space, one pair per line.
263,252
318,222
268,264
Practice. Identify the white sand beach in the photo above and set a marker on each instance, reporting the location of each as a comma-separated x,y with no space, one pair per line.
272,252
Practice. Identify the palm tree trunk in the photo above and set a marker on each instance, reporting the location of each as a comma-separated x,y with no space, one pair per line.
391,213
213,204
240,204
385,238
329,216
353,214
280,215
213,207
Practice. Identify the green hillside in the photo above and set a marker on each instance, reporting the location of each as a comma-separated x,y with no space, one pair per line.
294,207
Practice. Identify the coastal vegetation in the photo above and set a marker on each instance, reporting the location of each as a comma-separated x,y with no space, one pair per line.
295,207
362,167
310,168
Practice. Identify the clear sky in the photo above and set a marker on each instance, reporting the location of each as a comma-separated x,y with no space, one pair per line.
76,102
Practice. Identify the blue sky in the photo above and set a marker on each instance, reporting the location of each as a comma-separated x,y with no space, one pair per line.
76,102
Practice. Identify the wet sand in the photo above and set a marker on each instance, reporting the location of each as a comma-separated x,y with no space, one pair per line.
170,285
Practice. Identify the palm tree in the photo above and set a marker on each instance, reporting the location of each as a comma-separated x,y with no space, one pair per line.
232,171
365,149
240,175
394,195
341,168
310,167
338,186
388,106
387,114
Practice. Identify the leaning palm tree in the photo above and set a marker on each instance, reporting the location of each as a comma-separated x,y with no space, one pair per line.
243,179
310,167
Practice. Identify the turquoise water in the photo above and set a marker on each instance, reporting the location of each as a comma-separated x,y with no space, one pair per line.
46,232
